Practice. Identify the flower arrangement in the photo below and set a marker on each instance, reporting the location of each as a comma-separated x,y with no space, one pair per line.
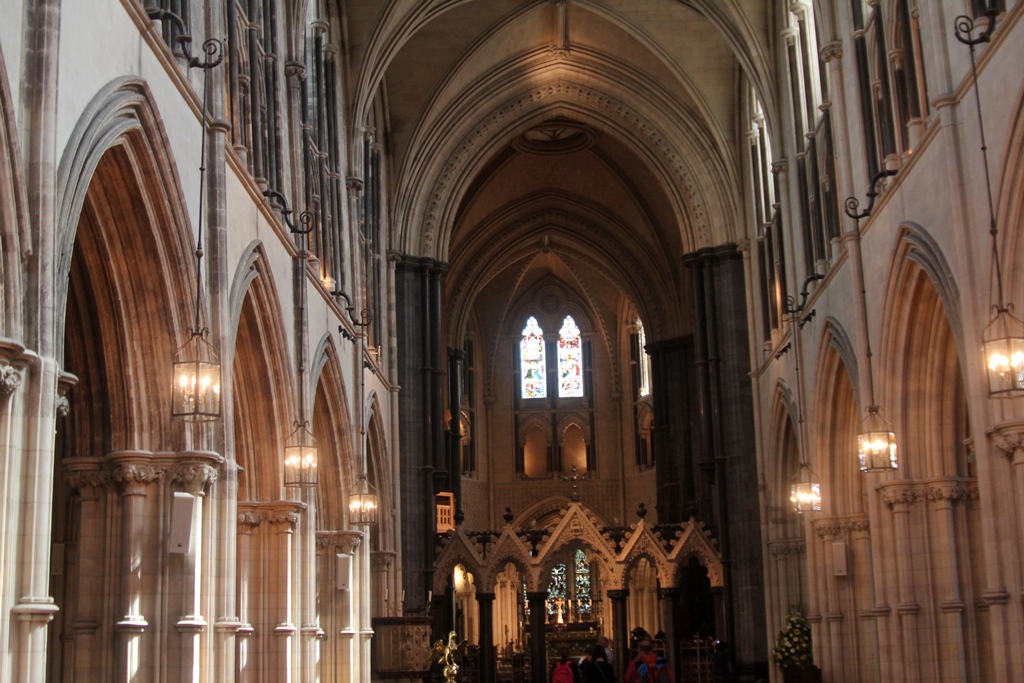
793,644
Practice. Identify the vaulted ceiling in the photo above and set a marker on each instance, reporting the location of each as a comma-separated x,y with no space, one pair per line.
590,141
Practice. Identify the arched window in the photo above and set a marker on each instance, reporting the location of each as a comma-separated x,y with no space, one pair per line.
583,599
644,360
531,361
570,360
569,593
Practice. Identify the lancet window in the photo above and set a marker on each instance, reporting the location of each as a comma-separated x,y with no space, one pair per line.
532,361
570,360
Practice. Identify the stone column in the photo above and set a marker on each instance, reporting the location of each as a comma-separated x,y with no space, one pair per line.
85,658
192,478
899,498
279,588
456,362
133,474
538,644
337,604
944,552
620,630
381,562
421,411
667,603
249,521
488,667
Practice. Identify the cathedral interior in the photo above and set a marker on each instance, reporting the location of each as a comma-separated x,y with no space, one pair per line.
332,329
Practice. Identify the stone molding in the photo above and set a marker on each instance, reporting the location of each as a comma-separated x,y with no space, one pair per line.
939,491
192,477
10,381
832,528
134,477
346,541
830,51
1008,438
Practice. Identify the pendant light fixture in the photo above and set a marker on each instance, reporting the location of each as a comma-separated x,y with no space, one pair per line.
1003,338
196,387
300,451
876,440
805,493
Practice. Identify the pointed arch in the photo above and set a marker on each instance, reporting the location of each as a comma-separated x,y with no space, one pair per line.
124,113
378,466
921,356
15,240
333,432
262,377
836,418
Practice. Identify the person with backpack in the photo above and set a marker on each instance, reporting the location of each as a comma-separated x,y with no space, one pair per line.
565,669
648,667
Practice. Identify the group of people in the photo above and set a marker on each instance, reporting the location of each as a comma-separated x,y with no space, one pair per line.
596,666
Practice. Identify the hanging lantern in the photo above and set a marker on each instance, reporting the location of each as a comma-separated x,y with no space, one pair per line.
196,395
1003,341
300,458
805,494
362,503
876,443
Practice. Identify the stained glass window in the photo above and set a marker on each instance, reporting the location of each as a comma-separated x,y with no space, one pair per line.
583,604
645,361
556,590
531,360
570,360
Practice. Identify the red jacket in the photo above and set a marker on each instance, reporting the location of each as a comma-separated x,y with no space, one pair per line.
655,665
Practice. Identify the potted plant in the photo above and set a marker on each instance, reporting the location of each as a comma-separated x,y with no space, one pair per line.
793,652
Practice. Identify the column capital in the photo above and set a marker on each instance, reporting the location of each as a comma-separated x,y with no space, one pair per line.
618,594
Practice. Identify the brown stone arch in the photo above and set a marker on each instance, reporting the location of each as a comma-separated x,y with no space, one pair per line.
332,430
263,384
785,458
378,465
127,304
123,114
919,376
14,219
837,420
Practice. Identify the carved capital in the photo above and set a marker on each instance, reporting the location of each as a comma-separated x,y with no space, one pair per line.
248,521
296,70
134,477
827,529
89,483
830,51
1009,441
10,380
381,560
947,493
284,518
354,183
780,166
787,549
344,542
193,478
899,495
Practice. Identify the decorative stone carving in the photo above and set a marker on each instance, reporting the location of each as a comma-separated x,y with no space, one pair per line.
346,541
780,166
88,482
902,495
248,521
134,477
786,549
296,70
288,518
192,477
63,406
10,380
381,560
830,51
